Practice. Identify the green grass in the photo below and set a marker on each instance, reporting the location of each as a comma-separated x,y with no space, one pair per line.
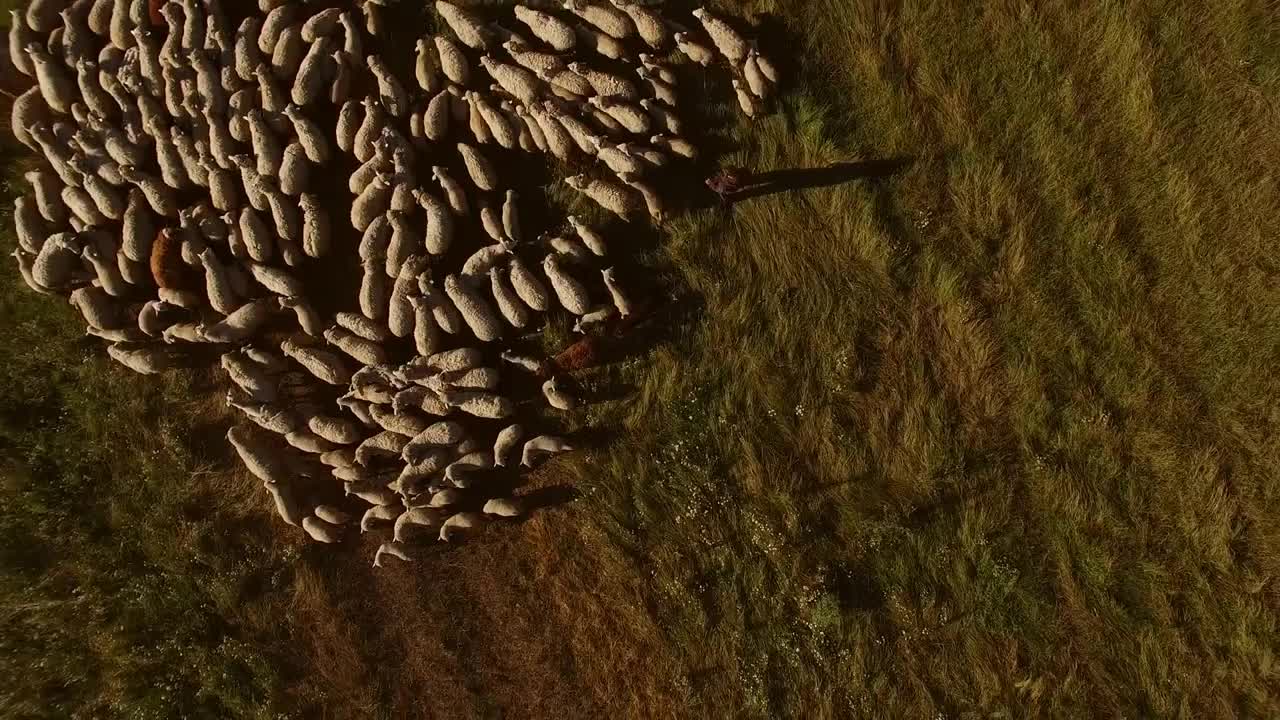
993,437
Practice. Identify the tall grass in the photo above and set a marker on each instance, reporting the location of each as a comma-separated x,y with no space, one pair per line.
992,437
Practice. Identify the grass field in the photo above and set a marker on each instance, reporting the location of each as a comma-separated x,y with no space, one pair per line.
992,437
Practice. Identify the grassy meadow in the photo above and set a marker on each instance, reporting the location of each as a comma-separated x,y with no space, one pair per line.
992,436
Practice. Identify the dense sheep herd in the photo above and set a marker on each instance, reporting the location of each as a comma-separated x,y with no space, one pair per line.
185,203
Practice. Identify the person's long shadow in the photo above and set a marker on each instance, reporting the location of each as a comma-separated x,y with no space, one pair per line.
776,181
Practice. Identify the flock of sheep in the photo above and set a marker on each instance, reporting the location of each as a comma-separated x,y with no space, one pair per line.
183,203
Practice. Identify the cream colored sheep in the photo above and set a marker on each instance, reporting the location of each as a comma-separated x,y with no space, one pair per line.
694,50
440,222
528,286
286,504
323,364
602,43
650,26
453,190
107,270
364,351
478,167
503,507
458,523
393,549
475,310
609,195
386,444
557,397
484,259
145,361
542,445
420,517
363,326
377,514
548,28
260,459
507,299
571,294
469,28
479,404
459,471
611,21
321,530
726,39
400,311
442,308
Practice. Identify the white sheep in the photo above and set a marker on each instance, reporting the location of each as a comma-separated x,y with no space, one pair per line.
548,28
364,351
350,119
457,523
571,294
374,290
528,286
440,222
385,443
321,530
609,195
56,85
444,432
145,361
726,39
373,201
276,280
602,43
286,504
459,471
542,445
435,119
503,507
453,189
609,20
475,310
479,404
653,201
323,364
478,167
316,230
308,442
260,459
390,91
405,423
370,129
558,140
395,550
419,517
379,513
471,31
400,311
97,307
694,50
334,429
524,362
376,239
650,26
507,299
556,397
484,259
250,377
108,271
442,308
365,327
750,104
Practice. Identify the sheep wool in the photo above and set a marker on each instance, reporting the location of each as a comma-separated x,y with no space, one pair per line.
469,28
528,286
478,167
503,507
375,290
458,523
475,311
571,294
542,445
547,28
365,351
392,549
285,501
323,364
609,20
726,39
